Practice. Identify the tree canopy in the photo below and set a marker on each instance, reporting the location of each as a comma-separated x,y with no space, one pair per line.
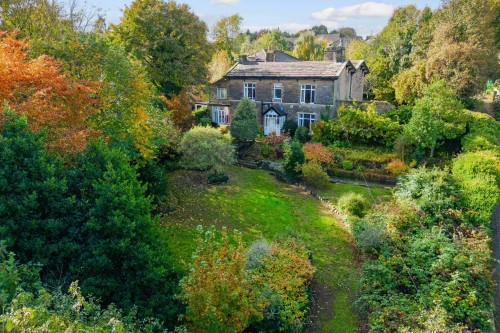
169,39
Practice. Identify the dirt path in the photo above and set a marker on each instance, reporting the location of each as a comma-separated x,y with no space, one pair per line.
495,226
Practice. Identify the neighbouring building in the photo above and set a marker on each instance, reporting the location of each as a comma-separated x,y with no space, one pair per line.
284,87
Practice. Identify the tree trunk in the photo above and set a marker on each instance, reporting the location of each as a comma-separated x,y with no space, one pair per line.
432,151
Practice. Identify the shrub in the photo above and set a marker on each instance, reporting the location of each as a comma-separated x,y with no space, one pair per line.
267,151
206,148
272,146
224,129
302,134
434,191
478,174
218,291
314,175
205,121
480,194
201,113
294,158
356,125
401,114
217,178
281,280
397,167
317,153
259,250
483,132
244,123
347,165
289,127
369,233
352,204
473,164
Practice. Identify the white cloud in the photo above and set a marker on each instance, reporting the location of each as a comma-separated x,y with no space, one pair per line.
225,2
331,25
324,14
365,9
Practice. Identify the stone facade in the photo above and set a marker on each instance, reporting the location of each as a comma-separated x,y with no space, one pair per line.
330,91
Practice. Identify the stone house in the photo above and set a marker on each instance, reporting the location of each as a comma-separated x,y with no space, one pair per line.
289,89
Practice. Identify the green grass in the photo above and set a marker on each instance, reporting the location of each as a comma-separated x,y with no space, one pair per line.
373,154
373,195
261,207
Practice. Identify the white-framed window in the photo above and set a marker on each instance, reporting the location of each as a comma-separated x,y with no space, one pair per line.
277,91
220,114
306,119
307,93
221,93
249,90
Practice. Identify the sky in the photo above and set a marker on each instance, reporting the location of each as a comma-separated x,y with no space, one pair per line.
366,17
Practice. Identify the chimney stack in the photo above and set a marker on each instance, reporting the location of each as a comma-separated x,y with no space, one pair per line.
330,54
243,58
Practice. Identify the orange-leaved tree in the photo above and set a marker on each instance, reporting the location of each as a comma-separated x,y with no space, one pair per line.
180,108
38,89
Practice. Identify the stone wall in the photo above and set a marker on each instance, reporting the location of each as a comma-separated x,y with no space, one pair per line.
327,92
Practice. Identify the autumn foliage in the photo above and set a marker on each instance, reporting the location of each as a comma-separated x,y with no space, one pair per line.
180,106
317,153
38,89
218,291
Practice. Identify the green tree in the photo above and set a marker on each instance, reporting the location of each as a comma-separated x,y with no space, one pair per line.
391,51
206,148
219,65
347,32
244,123
294,158
319,29
437,116
463,50
169,39
122,257
35,207
309,47
225,32
274,39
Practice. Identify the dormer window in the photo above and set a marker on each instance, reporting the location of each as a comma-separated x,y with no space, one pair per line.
307,92
221,93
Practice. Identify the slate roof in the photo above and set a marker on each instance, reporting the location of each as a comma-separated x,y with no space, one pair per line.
279,110
261,55
360,64
299,69
330,38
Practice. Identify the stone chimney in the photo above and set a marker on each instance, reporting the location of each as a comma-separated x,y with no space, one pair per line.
270,55
330,54
243,58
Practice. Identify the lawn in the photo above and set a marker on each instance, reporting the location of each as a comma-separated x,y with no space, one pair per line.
373,195
261,207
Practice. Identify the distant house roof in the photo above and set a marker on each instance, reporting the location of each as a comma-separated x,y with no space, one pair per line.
330,38
299,69
271,55
279,110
